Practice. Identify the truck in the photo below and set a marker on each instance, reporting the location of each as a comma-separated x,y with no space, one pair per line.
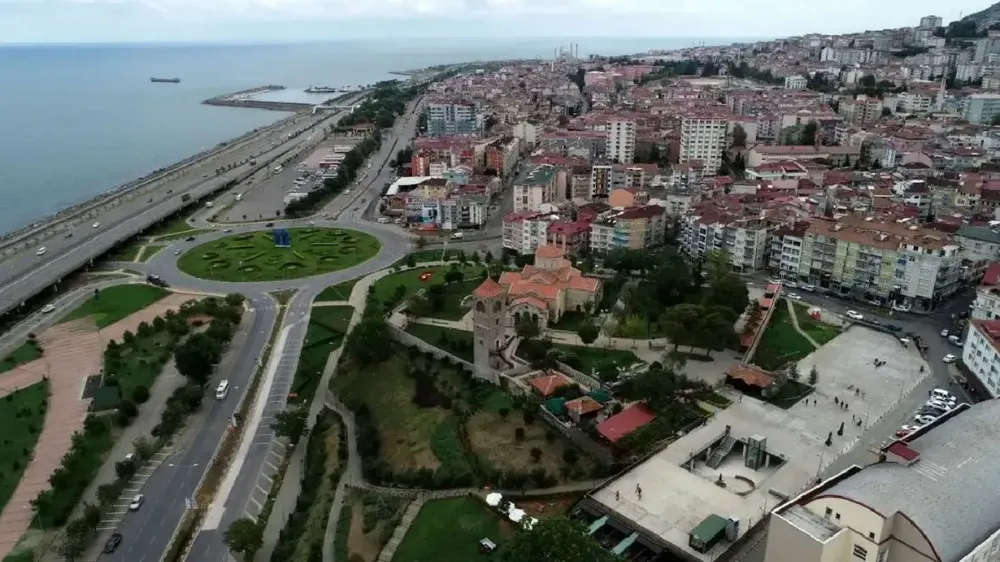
209,204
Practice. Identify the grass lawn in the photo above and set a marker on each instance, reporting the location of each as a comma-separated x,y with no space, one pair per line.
590,359
27,353
253,256
327,326
150,251
387,288
404,429
142,361
450,531
456,342
451,306
428,255
124,253
22,413
817,330
114,303
173,225
780,343
339,292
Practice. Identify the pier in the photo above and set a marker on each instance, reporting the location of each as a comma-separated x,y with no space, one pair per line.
247,98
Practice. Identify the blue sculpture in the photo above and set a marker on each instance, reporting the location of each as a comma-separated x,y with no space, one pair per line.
282,239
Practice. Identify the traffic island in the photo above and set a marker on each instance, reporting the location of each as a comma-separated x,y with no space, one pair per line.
279,254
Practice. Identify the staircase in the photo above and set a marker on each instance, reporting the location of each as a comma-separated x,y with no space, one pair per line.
404,525
721,451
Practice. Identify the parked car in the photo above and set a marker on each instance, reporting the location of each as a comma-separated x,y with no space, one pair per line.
855,315
791,284
48,308
189,239
808,287
949,358
113,542
924,419
901,307
136,502
892,328
96,225
794,296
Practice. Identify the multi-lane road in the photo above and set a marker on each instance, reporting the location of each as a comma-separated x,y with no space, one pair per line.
75,243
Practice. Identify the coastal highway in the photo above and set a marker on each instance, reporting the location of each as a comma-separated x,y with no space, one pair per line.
25,274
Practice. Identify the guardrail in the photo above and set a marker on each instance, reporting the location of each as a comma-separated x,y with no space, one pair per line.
100,243
47,223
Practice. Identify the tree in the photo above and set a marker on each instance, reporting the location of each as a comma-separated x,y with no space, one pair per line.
793,372
197,356
571,455
739,136
244,536
527,328
453,275
813,376
291,423
555,539
488,257
366,342
588,333
730,292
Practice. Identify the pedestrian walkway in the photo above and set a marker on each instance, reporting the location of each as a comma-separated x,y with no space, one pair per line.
412,510
795,324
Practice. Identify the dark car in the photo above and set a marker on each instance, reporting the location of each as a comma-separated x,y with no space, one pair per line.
189,239
68,235
156,280
113,542
269,225
892,328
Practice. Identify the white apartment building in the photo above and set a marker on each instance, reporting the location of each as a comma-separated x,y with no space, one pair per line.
525,232
745,240
981,353
795,82
621,141
703,138
931,22
535,187
916,102
927,497
981,109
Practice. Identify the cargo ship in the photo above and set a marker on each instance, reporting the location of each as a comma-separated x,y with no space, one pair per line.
165,80
321,90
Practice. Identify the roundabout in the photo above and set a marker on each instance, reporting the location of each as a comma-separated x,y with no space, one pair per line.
278,255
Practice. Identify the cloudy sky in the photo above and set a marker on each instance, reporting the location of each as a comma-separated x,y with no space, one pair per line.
74,21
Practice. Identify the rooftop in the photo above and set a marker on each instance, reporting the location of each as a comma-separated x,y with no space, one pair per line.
536,175
957,462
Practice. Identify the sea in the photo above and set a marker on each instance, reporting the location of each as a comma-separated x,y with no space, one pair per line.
79,120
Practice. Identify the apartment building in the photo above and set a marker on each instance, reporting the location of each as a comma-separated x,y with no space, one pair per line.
916,102
534,187
703,137
502,155
743,239
449,211
448,118
785,250
572,237
796,82
987,303
981,354
621,141
523,232
982,109
861,110
601,181
630,229
927,497
632,175
881,261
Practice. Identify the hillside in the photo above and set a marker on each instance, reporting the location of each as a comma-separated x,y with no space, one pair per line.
984,18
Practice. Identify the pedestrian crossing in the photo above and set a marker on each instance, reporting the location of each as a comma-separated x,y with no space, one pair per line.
119,508
930,470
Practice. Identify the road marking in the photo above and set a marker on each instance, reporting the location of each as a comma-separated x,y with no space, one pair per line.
263,491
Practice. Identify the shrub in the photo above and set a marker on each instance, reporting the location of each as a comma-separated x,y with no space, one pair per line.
140,395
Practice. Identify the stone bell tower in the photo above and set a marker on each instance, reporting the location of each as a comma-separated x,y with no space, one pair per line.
489,329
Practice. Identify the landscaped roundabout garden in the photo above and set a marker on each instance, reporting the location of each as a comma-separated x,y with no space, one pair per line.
255,257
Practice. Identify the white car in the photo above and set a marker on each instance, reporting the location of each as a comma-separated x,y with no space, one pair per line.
177,252
944,333
855,315
924,420
41,251
136,502
949,358
791,284
48,308
96,225
808,288
794,296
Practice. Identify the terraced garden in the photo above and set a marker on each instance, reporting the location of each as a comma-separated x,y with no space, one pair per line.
255,257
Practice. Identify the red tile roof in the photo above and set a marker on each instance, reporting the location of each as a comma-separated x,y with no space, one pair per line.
992,276
489,289
546,385
583,405
625,422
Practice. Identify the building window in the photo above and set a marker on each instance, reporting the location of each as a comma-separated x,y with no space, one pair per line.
829,512
871,536
860,552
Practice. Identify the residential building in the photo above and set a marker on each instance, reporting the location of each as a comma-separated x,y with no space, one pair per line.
987,303
601,181
861,110
982,109
625,198
881,260
621,141
703,137
796,82
981,354
917,498
931,22
447,118
743,239
916,102
785,250
572,237
524,232
534,187
631,229
502,155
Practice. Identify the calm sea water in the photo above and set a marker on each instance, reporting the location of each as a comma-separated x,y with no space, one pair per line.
79,120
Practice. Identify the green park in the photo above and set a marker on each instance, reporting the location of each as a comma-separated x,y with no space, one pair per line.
256,257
